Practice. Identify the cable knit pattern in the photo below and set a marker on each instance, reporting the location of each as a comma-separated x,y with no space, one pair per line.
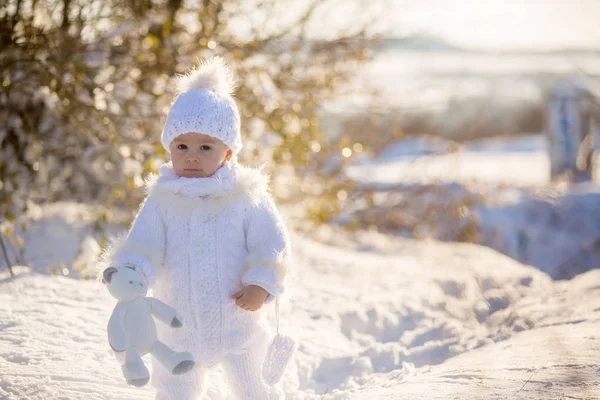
203,238
205,105
204,111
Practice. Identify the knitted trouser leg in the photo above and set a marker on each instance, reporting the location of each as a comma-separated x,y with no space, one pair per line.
244,372
189,386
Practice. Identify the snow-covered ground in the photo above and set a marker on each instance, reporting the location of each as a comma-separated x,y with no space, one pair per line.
519,212
421,320
403,319
376,316
422,159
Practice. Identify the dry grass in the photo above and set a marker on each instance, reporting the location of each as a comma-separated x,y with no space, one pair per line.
377,130
442,212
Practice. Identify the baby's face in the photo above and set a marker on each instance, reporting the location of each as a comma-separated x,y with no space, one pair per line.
195,155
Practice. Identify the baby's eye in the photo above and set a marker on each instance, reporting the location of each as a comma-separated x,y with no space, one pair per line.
181,146
205,148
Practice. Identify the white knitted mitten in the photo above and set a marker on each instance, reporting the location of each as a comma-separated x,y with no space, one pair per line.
279,353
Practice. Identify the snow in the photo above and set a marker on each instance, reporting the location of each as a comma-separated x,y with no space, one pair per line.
506,161
376,316
566,368
422,320
518,211
458,167
418,79
559,233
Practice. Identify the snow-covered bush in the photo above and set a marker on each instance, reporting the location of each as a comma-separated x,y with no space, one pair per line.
86,86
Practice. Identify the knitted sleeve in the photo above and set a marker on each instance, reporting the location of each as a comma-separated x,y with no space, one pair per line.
143,247
268,245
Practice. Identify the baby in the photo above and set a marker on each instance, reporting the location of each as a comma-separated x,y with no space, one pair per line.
209,240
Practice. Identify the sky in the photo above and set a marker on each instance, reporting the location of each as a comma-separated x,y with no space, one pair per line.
502,25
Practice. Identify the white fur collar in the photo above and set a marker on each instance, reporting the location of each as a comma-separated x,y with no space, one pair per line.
229,181
222,180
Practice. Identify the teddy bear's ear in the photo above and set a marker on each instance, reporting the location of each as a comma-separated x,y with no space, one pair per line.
107,274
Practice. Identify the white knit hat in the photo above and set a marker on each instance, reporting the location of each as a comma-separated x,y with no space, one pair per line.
204,105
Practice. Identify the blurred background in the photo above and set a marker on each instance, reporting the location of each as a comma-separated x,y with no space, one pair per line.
463,121
436,161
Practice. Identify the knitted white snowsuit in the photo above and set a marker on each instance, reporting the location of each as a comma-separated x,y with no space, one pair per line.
204,239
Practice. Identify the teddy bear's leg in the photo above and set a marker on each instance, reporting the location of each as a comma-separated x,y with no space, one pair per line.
176,362
134,370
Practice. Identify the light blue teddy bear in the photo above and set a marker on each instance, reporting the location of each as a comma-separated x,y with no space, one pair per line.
131,328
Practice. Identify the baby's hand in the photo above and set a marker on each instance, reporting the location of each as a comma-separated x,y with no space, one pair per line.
251,297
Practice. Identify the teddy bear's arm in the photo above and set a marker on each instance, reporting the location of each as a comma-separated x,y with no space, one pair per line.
164,312
117,337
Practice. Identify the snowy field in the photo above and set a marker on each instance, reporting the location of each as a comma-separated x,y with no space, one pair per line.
419,321
554,226
376,316
519,162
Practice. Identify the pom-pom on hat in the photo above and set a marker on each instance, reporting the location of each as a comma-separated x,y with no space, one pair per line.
204,105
